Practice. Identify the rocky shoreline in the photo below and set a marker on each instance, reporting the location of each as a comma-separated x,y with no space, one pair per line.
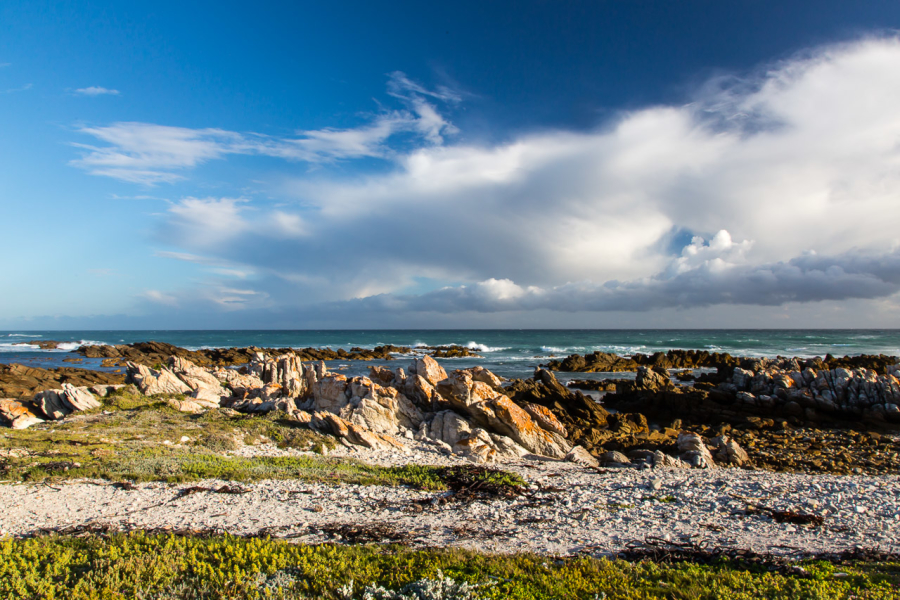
780,456
781,414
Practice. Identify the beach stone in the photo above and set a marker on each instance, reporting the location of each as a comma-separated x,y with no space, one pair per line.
581,456
694,451
729,451
614,459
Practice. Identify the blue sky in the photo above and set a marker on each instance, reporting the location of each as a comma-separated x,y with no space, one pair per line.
464,164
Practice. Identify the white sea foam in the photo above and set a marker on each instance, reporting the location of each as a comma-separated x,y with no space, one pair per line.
23,335
553,349
484,348
61,347
19,347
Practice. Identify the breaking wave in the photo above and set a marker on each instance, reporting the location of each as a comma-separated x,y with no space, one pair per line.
484,348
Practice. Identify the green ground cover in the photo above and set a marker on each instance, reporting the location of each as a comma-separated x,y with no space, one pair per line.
138,438
141,565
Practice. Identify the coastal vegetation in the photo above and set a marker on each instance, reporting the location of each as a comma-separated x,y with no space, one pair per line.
157,565
139,438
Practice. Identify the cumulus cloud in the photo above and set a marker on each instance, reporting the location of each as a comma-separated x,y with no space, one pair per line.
804,279
95,90
150,154
780,186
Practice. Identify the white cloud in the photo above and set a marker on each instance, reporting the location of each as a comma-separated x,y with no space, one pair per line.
150,154
796,167
96,91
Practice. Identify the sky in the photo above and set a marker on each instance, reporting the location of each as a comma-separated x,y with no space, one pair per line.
530,164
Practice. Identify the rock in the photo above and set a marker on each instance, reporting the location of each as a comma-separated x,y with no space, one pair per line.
729,451
651,380
329,392
446,426
151,382
78,398
429,369
379,408
614,459
498,413
102,391
664,461
422,392
483,375
50,403
187,405
381,375
19,381
694,451
582,418
598,362
581,456
17,414
333,424
544,417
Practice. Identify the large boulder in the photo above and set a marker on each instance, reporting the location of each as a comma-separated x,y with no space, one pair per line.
498,413
17,414
57,404
151,382
379,408
329,392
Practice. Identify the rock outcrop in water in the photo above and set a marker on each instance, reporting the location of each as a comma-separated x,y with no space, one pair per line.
158,353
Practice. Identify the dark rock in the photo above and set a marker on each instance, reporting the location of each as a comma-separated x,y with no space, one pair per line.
19,381
598,362
583,419
153,353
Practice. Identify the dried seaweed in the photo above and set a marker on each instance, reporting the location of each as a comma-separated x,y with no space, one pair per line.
373,533
225,489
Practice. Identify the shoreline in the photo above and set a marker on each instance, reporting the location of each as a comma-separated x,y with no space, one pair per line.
569,510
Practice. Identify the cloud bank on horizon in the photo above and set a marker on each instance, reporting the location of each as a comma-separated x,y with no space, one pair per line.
780,186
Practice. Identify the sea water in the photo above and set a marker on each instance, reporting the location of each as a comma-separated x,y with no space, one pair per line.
508,352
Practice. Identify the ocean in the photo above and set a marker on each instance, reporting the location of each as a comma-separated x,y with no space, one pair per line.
507,352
